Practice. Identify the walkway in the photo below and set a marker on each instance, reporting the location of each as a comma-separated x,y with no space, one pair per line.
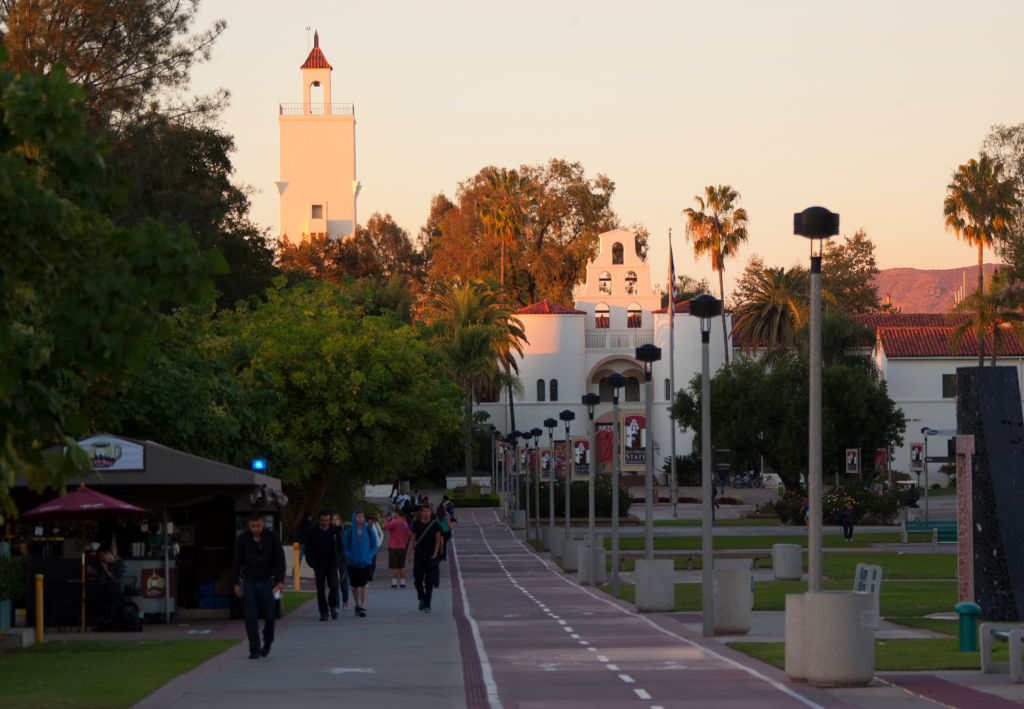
510,630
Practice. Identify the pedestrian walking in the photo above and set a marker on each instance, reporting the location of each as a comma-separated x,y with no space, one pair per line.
846,520
360,554
258,572
342,567
424,550
324,554
398,542
444,522
302,530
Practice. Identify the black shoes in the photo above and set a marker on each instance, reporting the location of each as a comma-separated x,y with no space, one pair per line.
421,605
426,609
254,656
361,612
323,617
334,614
266,650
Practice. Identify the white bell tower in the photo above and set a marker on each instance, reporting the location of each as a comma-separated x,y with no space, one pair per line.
317,185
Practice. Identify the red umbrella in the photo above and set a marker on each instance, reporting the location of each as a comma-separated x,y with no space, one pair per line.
82,504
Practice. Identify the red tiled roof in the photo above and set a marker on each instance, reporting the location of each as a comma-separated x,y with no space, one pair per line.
873,321
316,58
933,341
683,307
546,307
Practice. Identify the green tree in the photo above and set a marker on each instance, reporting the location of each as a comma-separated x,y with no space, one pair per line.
994,315
505,209
357,389
687,288
380,249
759,409
1005,144
771,306
717,229
123,53
848,270
80,295
979,208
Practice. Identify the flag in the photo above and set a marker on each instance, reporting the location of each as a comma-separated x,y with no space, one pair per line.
671,278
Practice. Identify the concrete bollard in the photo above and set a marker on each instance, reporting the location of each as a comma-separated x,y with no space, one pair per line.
655,587
787,561
546,538
558,548
795,646
839,638
733,596
591,565
570,554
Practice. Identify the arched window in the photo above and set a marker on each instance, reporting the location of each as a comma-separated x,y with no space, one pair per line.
553,390
632,389
540,390
630,283
634,316
668,390
604,283
602,316
617,253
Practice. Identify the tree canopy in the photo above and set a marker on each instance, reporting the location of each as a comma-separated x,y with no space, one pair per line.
848,270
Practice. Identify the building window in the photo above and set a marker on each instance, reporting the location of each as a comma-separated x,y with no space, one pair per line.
668,390
631,283
604,283
602,316
617,253
488,394
632,389
540,390
634,316
948,386
317,211
553,390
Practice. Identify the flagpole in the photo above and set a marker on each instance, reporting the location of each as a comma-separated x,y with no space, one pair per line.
673,481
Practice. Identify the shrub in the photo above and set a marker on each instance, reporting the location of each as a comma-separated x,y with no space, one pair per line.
579,497
12,577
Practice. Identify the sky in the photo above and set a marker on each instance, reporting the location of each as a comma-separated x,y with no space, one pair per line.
865,108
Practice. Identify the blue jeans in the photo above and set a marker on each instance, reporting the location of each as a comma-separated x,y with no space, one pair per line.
258,597
343,585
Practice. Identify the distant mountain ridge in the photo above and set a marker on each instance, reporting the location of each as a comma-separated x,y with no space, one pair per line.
915,290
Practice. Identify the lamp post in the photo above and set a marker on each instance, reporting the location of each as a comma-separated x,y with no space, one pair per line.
590,401
550,424
536,485
816,224
615,381
926,432
568,417
706,307
649,354
526,436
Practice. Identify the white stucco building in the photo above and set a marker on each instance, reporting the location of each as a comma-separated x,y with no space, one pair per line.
572,350
317,186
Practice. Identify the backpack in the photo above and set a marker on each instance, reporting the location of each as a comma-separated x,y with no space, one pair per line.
128,618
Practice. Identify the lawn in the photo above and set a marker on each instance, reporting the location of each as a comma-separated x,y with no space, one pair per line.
767,522
764,541
92,674
893,655
290,600
895,566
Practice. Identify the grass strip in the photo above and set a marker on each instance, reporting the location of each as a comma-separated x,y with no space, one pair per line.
97,675
290,600
892,655
764,541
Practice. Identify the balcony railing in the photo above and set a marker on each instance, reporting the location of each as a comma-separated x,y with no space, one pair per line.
315,109
618,340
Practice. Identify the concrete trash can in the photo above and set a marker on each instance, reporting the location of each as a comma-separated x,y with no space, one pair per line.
795,646
546,538
559,542
655,585
839,638
570,554
787,562
733,596
591,565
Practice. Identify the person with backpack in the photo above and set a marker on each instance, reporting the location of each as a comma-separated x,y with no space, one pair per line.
361,545
424,550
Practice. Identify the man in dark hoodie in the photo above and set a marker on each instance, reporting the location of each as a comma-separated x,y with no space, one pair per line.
258,568
324,555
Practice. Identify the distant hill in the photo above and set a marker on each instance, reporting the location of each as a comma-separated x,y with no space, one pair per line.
915,290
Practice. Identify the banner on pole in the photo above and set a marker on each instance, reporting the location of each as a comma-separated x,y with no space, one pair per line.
634,441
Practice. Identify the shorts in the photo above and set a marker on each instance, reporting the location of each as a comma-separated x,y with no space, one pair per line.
396,558
359,576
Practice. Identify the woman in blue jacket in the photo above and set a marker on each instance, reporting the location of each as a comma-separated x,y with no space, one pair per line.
360,553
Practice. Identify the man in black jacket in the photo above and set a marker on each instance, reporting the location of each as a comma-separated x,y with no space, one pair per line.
324,555
258,568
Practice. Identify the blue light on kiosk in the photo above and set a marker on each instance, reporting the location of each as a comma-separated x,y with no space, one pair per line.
259,464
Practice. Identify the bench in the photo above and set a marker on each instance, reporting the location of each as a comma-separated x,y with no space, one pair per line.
1012,633
943,531
690,555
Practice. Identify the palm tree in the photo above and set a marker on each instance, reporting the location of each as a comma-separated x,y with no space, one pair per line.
717,229
483,339
505,209
772,307
978,208
993,313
